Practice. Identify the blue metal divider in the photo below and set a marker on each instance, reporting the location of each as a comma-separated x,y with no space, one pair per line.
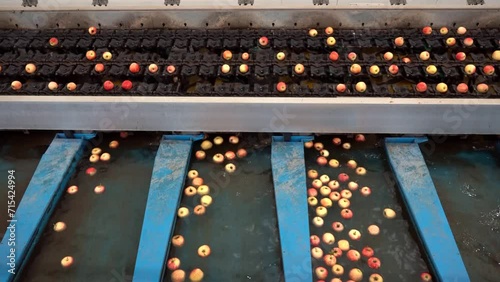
289,174
46,187
167,181
422,201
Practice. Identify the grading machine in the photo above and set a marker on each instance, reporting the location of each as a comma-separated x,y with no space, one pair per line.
237,140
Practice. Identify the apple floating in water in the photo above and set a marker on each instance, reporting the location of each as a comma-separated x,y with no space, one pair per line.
183,212
425,276
230,168
337,226
318,221
178,241
324,153
67,261
360,171
99,68
230,155
312,201
218,158
482,88
200,155
218,140
59,226
427,30
99,189
325,191
335,196
366,191
243,68
462,88
321,211
206,145
329,260
354,235
421,87
373,229
108,85
338,270
488,70
326,202
178,275
281,87
227,55
324,178
280,56
94,158
346,214
367,252
353,255
225,68
352,164
374,263
359,138
343,245
90,55
333,163
328,238
91,171
192,174
356,274
389,213
375,277
197,181
203,190
134,68
334,56
337,252
173,263
406,60
196,275
315,241
322,161
190,191
346,194
204,251
312,173
317,183
318,146
241,153
441,87
53,42
343,177
334,184
344,203
321,272
347,146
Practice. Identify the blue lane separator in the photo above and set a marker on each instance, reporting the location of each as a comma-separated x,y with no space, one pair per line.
165,190
422,201
289,174
48,184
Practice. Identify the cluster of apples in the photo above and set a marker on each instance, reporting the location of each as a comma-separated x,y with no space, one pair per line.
96,155
339,191
220,158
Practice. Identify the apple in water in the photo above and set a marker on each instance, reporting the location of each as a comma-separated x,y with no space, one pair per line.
343,177
337,226
354,234
243,68
30,68
375,277
427,30
338,269
334,56
488,70
367,252
374,263
245,56
311,192
178,241
328,238
134,68
71,86
53,41
421,87
356,274
337,252
425,277
173,263
366,191
352,164
107,56
462,88
346,214
127,85
281,86
334,184
317,252
225,68
406,60
178,275
330,260
52,85
321,272
90,55
315,241
353,255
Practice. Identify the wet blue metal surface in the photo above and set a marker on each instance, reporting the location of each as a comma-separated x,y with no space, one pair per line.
165,191
45,188
423,204
289,174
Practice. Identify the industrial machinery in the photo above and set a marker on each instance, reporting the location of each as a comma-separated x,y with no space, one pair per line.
272,78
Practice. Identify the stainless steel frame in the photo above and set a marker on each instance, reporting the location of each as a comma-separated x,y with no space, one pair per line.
231,114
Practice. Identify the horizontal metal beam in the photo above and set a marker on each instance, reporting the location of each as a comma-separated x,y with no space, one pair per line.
252,18
235,114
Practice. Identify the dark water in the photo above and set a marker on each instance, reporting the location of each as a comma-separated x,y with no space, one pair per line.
466,174
396,246
241,224
103,231
22,153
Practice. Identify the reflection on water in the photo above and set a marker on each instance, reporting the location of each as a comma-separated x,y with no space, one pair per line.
466,176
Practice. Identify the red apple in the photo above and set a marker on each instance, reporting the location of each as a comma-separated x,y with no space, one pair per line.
53,41
134,68
451,41
322,161
352,56
359,138
311,192
399,41
170,69
227,55
393,69
263,41
330,260
388,56
329,30
367,252
92,30
462,88
245,56
337,252
127,85
346,213
173,263
374,263
16,85
337,226
321,272
353,255
281,86
341,88
468,41
99,68
333,56
426,277
482,88
90,55
71,86
460,56
108,85
365,191
489,70
427,30
178,241
315,241
343,177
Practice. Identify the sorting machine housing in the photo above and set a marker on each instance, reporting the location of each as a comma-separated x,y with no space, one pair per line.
265,113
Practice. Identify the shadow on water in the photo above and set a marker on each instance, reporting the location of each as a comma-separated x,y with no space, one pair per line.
103,231
240,226
466,174
22,153
396,246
